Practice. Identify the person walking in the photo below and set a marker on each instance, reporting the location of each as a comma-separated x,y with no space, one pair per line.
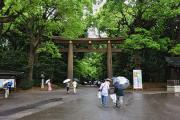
67,87
104,88
74,84
7,87
48,82
119,91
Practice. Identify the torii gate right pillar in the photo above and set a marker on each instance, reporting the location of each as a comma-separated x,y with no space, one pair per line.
109,59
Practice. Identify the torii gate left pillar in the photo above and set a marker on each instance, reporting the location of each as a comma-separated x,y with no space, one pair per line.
70,61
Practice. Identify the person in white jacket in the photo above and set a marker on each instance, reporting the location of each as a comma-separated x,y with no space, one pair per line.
104,88
74,84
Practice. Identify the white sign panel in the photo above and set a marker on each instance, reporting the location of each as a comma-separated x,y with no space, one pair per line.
3,80
137,79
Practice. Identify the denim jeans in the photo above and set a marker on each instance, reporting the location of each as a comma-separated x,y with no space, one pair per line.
104,100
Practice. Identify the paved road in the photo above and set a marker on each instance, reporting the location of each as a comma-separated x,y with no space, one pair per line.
139,106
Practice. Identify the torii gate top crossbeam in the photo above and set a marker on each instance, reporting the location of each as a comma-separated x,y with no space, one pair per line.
59,39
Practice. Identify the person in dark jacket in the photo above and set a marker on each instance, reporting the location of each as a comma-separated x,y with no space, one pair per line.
67,87
119,91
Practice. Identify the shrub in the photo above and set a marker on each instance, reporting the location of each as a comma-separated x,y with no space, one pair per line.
26,84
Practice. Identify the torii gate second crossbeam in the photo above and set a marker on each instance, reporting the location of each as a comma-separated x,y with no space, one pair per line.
89,42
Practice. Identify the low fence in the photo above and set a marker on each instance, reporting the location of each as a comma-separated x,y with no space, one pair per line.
173,82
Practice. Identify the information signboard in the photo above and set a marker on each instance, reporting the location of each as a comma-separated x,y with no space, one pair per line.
3,80
137,79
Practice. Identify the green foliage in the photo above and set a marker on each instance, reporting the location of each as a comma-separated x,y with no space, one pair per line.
145,51
13,60
110,19
148,25
175,50
25,85
164,43
12,7
121,18
141,40
50,48
37,19
90,66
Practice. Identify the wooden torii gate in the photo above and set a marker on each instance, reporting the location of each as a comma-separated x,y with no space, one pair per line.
72,43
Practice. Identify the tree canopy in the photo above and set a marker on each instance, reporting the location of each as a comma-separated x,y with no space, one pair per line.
151,30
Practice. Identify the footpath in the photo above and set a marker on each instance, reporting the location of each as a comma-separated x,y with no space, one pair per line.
23,103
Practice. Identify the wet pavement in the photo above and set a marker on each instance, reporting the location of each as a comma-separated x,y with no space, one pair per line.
29,106
86,106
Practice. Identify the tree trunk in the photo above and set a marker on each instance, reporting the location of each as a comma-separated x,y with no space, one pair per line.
31,58
32,52
137,60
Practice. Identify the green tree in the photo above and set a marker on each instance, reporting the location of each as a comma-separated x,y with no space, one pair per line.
43,18
121,18
90,66
175,50
158,20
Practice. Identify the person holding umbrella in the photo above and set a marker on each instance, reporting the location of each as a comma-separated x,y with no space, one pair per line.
119,91
48,82
67,82
7,87
120,84
67,87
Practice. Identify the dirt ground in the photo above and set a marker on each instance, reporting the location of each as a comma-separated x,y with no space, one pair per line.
152,87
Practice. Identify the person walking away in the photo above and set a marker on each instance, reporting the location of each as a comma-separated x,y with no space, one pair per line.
48,82
67,87
98,84
104,88
74,84
7,88
119,91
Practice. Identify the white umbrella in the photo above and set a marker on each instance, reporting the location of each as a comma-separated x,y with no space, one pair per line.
123,81
48,80
5,82
66,80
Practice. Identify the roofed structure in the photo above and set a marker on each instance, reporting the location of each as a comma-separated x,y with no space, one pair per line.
174,64
173,61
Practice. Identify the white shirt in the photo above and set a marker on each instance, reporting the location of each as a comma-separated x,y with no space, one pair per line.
74,84
104,88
